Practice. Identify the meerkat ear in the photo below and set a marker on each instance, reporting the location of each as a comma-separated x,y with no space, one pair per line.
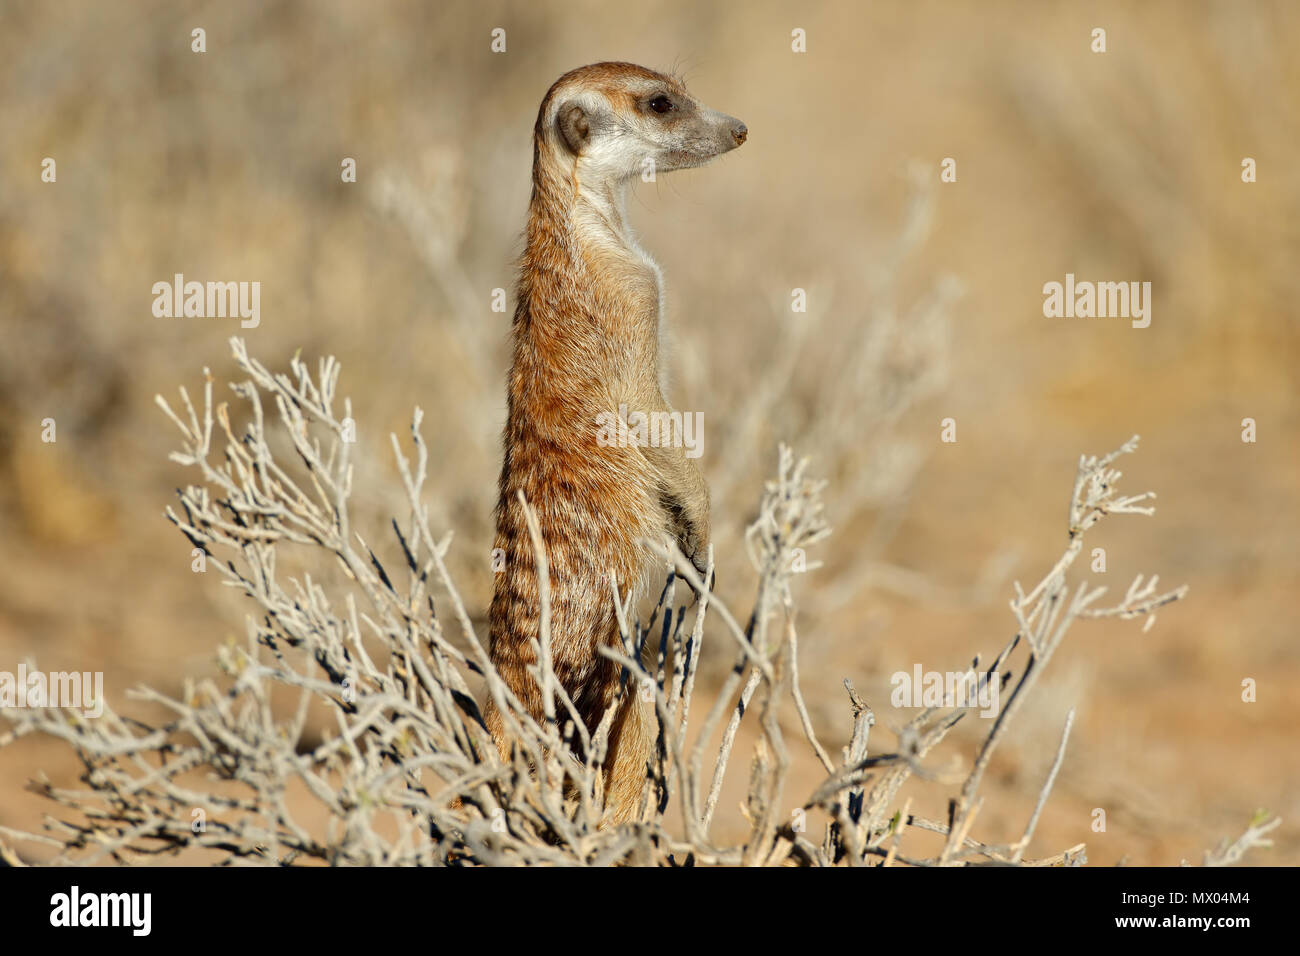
574,127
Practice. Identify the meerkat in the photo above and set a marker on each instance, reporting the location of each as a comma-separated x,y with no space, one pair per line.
587,340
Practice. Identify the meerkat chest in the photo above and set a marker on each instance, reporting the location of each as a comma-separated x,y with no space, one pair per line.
651,278
630,285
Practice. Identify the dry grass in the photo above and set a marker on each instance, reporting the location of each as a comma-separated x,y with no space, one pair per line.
411,775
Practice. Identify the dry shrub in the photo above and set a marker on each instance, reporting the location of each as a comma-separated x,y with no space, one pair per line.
410,774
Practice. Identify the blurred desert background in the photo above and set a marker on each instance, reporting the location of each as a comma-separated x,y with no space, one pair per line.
924,303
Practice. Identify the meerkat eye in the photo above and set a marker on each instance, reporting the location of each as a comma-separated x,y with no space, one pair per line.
661,104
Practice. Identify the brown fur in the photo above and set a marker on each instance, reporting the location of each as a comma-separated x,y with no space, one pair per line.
586,339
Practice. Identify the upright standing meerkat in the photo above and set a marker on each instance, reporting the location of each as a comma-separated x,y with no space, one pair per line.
588,329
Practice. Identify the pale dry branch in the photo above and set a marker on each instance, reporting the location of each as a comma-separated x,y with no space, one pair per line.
406,771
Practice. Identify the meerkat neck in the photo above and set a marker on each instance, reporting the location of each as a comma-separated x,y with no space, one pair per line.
602,209
586,212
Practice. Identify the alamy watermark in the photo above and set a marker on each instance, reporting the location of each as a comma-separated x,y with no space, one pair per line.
76,909
922,688
56,689
663,429
1100,300
208,300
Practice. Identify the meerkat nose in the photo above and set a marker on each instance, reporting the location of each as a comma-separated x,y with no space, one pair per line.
739,133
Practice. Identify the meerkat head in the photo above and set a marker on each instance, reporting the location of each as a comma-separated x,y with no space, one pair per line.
610,118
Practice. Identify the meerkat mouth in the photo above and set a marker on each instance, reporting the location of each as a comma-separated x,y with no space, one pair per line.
685,159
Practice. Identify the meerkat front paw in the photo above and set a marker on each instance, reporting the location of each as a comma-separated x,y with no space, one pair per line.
695,545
